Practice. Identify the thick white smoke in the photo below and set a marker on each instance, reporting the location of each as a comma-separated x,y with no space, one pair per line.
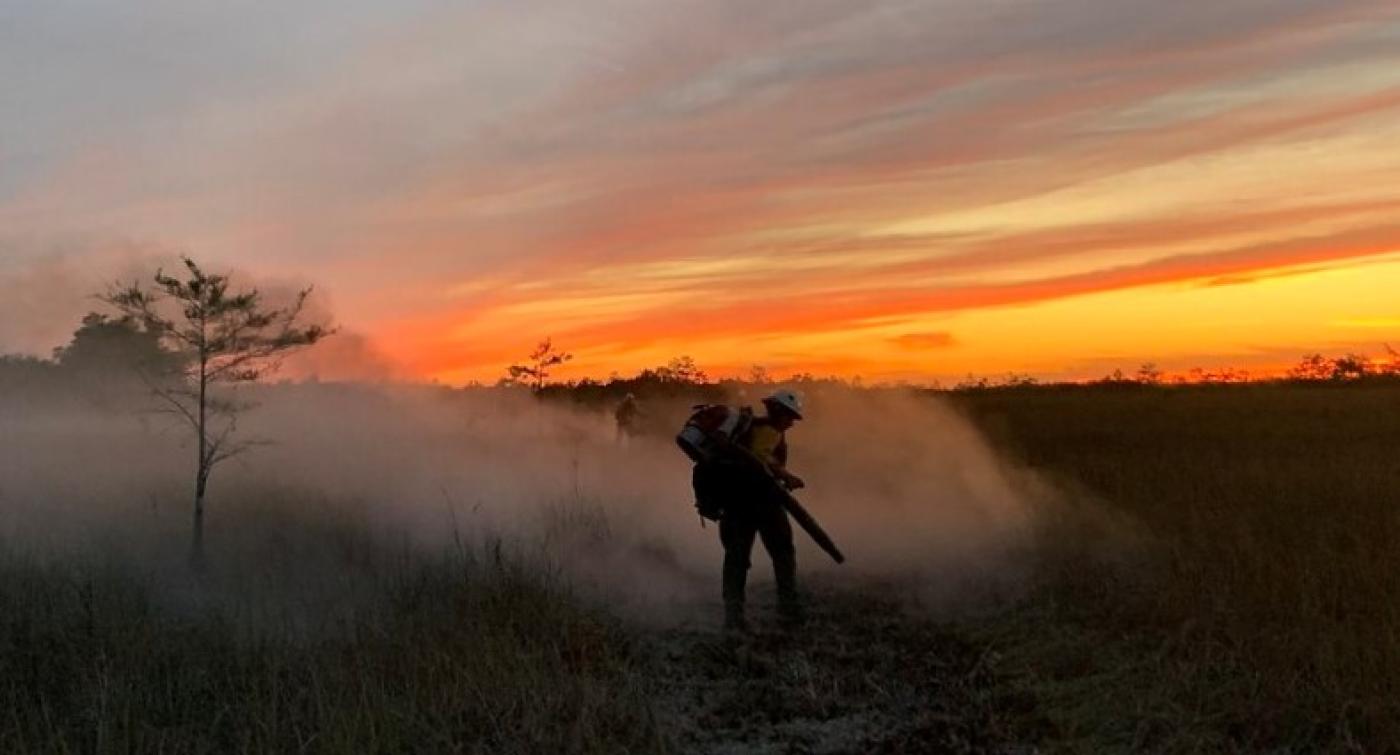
906,487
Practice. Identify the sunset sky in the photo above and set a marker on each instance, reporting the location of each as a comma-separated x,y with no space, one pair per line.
899,190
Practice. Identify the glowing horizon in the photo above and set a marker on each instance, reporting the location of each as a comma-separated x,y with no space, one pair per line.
897,190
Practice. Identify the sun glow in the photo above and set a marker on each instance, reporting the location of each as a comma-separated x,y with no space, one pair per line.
839,188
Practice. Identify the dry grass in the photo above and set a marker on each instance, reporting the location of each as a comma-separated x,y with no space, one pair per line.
382,651
1259,612
1220,578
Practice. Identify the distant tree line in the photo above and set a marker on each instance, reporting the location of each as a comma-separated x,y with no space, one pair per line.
107,364
683,376
1316,367
1311,368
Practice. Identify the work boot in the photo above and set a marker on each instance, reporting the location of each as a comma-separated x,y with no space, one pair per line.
734,621
790,607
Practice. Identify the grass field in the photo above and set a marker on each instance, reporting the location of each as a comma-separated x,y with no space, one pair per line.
1216,572
1252,603
466,654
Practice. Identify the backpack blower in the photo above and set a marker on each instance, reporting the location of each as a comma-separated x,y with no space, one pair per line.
712,434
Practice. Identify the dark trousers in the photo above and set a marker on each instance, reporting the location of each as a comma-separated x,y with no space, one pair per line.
767,520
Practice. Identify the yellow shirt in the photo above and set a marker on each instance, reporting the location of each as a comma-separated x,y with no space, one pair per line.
766,443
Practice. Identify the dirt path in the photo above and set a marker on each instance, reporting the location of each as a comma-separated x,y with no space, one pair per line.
861,677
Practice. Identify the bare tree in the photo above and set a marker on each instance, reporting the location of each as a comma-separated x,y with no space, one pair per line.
543,359
223,337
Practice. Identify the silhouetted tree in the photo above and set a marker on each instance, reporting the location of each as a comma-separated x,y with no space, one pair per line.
22,374
972,383
1019,380
1234,375
1149,374
683,369
115,348
1350,367
110,359
543,360
1312,367
221,337
1391,366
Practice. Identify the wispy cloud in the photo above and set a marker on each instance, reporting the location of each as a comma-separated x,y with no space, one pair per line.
627,175
924,341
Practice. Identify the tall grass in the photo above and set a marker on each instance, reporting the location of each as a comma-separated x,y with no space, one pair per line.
1260,610
312,640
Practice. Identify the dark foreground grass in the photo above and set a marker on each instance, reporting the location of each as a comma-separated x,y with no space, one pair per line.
1225,570
473,655
861,676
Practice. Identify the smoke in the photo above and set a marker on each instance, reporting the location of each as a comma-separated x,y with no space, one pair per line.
39,303
348,357
917,494
907,488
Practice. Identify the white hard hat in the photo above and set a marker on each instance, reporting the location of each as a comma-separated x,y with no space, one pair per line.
787,400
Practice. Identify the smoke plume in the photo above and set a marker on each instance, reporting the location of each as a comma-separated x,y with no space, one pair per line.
906,487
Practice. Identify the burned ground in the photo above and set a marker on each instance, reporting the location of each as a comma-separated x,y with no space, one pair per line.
862,675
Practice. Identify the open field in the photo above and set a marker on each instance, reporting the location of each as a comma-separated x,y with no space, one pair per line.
1253,604
686,377
1212,571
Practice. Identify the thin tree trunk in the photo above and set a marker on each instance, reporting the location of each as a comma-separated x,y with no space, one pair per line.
197,541
202,471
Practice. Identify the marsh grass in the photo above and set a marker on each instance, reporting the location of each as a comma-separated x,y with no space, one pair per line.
1256,606
314,639
1217,573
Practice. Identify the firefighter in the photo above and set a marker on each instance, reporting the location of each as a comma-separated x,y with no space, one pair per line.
754,511
628,415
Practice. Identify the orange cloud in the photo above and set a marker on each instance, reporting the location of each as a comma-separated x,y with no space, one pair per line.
766,184
923,341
